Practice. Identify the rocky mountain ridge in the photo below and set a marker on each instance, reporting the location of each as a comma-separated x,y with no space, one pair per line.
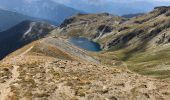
22,34
52,68
34,73
92,26
99,24
43,9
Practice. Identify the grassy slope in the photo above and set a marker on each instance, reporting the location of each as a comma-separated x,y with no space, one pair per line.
142,54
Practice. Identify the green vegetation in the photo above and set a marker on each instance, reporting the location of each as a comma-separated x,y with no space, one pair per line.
156,64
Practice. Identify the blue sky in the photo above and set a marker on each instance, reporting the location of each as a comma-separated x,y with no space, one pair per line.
157,2
118,7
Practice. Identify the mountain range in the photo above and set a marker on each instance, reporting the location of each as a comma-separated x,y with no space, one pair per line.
142,41
39,61
42,9
133,64
114,7
9,19
55,11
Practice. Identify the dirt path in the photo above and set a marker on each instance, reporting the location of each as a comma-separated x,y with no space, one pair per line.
26,51
20,56
5,87
5,90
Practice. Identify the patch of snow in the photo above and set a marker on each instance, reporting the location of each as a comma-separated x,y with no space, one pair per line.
29,30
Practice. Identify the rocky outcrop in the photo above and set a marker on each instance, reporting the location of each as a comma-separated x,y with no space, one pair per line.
167,13
104,28
67,21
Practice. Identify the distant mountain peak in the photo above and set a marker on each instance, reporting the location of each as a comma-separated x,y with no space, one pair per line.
43,9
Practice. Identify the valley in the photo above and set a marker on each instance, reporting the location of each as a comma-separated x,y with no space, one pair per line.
139,41
88,57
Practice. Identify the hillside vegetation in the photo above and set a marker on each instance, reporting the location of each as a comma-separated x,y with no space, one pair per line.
142,41
52,69
134,63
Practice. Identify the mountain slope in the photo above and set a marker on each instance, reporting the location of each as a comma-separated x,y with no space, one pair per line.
22,34
52,68
35,73
142,42
44,9
145,27
145,45
9,19
92,26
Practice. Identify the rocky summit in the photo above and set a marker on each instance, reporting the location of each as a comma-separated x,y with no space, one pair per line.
132,65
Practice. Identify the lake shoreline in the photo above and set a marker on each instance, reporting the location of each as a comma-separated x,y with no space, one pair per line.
85,43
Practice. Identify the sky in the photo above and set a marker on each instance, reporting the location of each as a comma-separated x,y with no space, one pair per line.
114,6
104,1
